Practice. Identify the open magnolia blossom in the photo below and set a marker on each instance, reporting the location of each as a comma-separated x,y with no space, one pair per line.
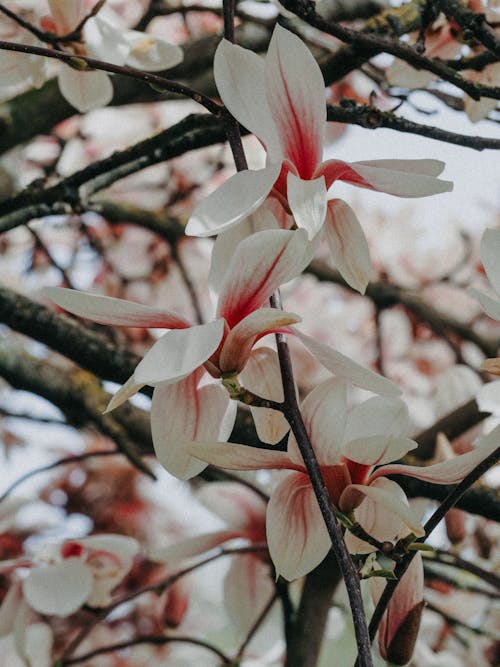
102,38
490,252
59,581
282,101
354,450
244,513
185,405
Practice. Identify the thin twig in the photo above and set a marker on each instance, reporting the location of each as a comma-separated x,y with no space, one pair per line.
159,83
67,460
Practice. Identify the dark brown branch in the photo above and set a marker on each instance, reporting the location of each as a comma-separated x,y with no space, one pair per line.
156,81
372,118
472,23
157,640
305,9
194,131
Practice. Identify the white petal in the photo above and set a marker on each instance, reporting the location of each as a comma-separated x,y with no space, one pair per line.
247,579
226,243
105,41
451,471
39,641
240,78
296,533
239,457
240,507
233,201
490,255
379,415
348,244
378,449
307,201
324,414
490,306
150,53
262,376
178,353
60,589
184,412
85,90
240,340
296,93
488,397
403,178
130,388
108,310
387,500
346,368
261,263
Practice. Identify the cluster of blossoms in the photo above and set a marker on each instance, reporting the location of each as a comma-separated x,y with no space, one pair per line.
268,223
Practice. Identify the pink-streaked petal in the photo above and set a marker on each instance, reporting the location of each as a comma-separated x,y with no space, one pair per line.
490,306
387,501
382,525
348,245
239,506
400,624
261,263
347,369
324,414
240,340
191,546
240,78
233,201
226,243
85,90
247,579
451,471
307,201
296,93
296,533
378,449
117,312
379,415
402,178
490,252
239,457
262,376
151,53
178,353
58,590
184,412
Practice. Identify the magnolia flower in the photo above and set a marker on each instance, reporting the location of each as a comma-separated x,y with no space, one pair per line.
244,513
104,39
353,450
59,582
178,365
282,101
490,253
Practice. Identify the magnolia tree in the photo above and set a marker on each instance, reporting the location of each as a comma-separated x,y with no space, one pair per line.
256,408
